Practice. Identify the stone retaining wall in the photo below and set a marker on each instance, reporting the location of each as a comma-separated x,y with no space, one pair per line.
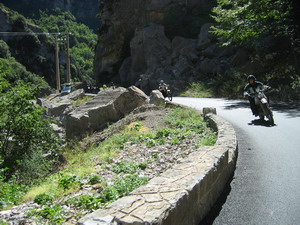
182,195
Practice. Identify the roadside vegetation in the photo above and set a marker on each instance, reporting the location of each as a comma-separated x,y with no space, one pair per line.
82,163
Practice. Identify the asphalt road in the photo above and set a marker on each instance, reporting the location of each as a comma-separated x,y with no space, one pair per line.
265,188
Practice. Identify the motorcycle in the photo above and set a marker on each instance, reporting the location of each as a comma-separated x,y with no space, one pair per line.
261,101
167,93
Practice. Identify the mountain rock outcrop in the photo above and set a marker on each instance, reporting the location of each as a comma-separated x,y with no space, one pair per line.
144,41
122,25
107,106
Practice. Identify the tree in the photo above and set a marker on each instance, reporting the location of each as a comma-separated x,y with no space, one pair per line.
240,22
28,145
82,41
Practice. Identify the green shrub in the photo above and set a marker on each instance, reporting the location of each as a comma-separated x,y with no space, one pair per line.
11,193
53,214
129,183
122,187
87,202
29,147
128,167
44,199
68,181
4,50
95,179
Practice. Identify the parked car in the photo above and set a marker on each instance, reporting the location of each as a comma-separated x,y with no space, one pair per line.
66,90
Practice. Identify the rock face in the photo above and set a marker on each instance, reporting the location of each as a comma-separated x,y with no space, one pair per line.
144,41
107,106
123,19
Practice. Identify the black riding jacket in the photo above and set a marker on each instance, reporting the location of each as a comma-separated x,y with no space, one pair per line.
255,87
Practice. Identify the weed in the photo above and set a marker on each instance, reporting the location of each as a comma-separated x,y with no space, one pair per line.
128,167
68,181
95,179
87,202
44,199
54,214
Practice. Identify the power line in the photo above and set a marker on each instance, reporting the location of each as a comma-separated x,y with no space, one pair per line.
28,33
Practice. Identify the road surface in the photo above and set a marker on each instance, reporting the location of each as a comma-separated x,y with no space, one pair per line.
265,188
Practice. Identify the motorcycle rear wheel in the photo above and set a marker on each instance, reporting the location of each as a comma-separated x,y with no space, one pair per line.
169,95
269,114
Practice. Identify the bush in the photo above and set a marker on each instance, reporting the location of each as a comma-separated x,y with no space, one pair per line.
4,50
29,148
10,192
44,199
69,181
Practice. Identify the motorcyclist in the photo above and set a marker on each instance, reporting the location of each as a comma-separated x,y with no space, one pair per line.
250,90
162,87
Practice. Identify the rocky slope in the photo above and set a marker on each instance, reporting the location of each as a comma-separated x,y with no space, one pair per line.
158,159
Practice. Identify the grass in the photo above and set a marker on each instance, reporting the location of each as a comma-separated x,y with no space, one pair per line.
82,100
197,90
179,124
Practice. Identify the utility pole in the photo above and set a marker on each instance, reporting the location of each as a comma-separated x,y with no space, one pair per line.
57,64
68,59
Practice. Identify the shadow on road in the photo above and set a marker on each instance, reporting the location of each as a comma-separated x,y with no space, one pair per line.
292,109
259,122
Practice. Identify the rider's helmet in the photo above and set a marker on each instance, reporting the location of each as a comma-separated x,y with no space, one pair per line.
161,81
251,77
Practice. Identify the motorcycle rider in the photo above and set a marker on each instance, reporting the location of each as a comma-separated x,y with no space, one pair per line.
162,87
249,91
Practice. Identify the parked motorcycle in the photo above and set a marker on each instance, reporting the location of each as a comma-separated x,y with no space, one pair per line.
261,101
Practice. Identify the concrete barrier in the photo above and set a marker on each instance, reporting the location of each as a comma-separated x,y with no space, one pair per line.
184,194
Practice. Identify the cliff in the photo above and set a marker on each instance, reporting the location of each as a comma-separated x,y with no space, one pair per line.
121,19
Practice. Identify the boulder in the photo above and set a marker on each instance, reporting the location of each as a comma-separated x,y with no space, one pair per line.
107,106
58,105
157,98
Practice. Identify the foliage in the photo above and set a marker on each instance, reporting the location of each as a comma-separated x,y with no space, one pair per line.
187,122
28,145
242,21
122,187
180,124
10,193
14,71
53,213
95,179
128,167
68,181
197,90
82,41
87,202
44,199
4,50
